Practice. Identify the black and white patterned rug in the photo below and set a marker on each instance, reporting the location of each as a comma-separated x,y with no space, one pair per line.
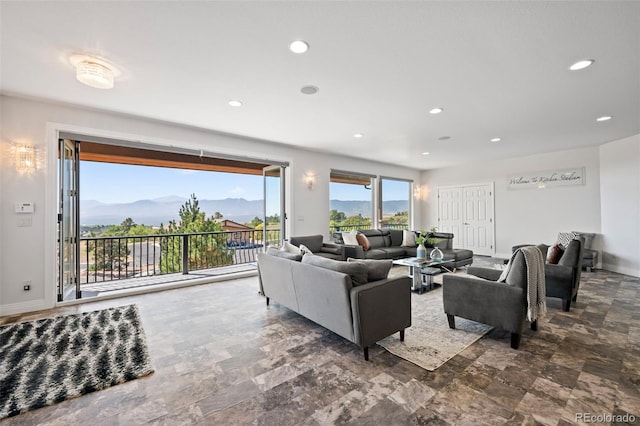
50,360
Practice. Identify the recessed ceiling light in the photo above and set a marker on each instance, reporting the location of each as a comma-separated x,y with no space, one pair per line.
309,90
580,65
444,138
93,71
358,135
235,103
496,140
436,111
604,118
299,46
426,153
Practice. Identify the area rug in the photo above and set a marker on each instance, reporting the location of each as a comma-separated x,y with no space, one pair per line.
47,361
429,342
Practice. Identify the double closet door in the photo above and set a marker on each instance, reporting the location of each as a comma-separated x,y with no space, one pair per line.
467,212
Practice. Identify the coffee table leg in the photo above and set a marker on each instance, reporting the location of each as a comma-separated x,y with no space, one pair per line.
429,281
416,279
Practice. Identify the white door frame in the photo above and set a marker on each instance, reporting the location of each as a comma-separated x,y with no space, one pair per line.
492,230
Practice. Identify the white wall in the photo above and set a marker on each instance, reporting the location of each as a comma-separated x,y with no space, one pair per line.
528,215
620,194
27,253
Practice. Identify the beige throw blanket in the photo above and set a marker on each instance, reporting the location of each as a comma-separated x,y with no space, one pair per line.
536,289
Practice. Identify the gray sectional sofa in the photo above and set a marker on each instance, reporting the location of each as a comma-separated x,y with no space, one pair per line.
362,314
387,244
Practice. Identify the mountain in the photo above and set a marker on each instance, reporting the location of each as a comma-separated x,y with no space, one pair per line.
162,210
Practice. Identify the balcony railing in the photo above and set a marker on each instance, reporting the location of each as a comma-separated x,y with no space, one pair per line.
367,225
124,257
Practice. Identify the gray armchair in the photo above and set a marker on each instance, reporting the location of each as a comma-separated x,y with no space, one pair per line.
563,279
481,298
315,244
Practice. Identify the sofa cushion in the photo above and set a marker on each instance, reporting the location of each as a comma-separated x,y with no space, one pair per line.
357,271
363,241
375,254
350,238
555,253
408,238
396,237
305,250
564,238
284,254
376,269
396,252
290,248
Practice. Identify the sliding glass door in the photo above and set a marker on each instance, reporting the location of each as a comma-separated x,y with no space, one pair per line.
274,206
68,221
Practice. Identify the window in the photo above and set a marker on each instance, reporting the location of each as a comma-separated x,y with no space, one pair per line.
350,201
395,205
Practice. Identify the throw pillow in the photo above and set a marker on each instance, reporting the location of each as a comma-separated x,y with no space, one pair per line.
350,238
363,241
290,248
564,238
588,238
376,269
284,254
305,250
357,271
555,253
336,237
408,239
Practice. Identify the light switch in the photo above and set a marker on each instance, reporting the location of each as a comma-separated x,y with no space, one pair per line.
24,207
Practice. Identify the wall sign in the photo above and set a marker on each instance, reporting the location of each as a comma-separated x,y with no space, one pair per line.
541,180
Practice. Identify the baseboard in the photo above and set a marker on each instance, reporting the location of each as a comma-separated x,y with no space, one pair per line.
621,270
23,307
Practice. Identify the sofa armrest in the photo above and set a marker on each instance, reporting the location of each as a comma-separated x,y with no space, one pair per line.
332,248
356,252
486,273
488,302
380,308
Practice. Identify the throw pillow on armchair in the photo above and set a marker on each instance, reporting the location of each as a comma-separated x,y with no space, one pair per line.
555,253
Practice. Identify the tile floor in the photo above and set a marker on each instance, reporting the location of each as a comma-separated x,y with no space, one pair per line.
222,357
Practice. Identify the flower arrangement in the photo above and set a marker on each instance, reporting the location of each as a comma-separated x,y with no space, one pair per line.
427,236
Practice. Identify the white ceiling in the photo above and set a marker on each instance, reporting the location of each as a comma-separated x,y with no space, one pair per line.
499,69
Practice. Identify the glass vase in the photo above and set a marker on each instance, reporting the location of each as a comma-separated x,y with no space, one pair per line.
436,254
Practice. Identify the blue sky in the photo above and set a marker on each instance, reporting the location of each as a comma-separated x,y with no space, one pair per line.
120,183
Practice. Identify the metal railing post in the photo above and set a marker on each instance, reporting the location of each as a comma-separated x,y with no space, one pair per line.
185,254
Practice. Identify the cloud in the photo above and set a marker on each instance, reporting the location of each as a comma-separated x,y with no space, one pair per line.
237,191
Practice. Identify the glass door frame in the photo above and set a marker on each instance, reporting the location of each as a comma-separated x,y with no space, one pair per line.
271,171
68,220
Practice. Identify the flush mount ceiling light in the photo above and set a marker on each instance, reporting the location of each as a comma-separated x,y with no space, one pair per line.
93,71
604,118
580,65
358,135
426,153
299,46
436,111
444,138
496,140
309,90
235,103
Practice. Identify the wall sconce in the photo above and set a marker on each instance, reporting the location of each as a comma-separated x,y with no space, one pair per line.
309,180
420,192
25,159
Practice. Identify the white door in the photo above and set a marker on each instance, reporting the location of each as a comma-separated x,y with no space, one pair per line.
467,212
478,219
450,213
